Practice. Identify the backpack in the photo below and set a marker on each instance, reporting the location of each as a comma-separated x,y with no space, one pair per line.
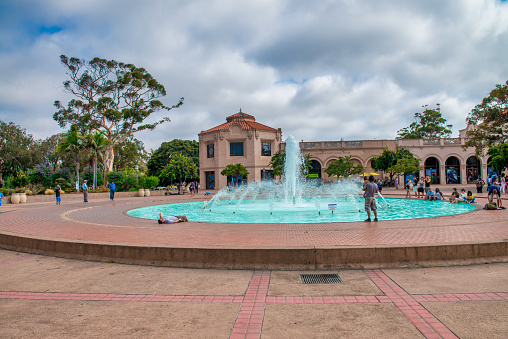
490,206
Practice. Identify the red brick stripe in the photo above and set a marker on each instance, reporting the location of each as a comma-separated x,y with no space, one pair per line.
249,321
424,321
7,262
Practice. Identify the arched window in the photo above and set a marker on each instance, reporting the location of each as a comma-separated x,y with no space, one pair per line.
315,170
432,169
452,170
473,169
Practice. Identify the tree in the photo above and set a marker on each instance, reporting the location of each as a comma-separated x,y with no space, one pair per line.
279,159
162,155
388,158
179,168
499,156
428,125
235,171
343,167
406,165
489,120
72,142
112,97
130,153
47,151
16,149
96,142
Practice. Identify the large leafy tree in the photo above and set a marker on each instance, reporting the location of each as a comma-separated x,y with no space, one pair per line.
131,153
162,155
499,156
388,159
427,125
72,142
489,120
112,97
16,149
235,171
179,168
279,159
343,167
406,165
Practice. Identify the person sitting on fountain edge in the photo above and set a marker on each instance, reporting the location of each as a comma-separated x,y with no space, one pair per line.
370,202
171,219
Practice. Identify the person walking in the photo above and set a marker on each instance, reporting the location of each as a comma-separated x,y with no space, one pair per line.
1,196
370,202
85,191
112,187
58,190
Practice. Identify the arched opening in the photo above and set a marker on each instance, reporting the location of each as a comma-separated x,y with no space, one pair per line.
452,170
473,169
432,170
315,170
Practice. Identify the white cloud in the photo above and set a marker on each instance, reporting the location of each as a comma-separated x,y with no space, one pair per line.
318,70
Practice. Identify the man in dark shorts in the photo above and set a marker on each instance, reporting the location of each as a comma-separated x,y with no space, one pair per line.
370,202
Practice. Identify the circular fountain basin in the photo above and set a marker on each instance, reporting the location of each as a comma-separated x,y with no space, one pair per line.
317,210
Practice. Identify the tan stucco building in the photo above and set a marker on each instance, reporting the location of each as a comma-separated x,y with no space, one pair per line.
240,140
243,140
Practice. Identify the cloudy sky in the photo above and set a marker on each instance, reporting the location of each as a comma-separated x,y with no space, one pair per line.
320,70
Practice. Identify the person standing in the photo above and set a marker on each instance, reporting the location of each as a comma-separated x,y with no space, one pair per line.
479,185
112,187
1,196
58,190
85,191
370,202
396,183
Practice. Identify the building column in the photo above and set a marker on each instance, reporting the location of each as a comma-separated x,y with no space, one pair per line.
463,174
443,175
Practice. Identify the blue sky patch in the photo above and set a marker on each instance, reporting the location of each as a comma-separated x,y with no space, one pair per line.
49,30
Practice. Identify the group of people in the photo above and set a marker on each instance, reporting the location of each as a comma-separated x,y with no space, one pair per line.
420,187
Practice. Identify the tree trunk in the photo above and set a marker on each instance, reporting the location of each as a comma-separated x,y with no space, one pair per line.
94,172
77,170
109,158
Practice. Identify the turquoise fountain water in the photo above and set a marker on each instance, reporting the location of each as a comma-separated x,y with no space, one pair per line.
296,200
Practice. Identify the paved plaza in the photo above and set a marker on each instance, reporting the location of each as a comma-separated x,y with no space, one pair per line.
57,296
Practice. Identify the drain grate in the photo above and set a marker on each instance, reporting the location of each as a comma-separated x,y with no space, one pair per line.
321,279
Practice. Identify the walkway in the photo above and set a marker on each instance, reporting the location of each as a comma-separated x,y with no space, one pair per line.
101,230
47,297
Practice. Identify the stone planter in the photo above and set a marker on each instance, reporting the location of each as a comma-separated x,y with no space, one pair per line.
147,192
141,192
22,198
15,198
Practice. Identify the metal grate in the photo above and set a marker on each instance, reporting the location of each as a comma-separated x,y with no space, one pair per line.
321,279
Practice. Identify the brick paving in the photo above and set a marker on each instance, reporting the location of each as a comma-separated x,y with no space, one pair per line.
252,304
106,221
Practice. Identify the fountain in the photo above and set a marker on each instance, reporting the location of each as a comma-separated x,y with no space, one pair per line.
295,199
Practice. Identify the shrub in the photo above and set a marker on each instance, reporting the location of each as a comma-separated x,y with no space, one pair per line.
100,189
6,191
21,179
62,173
41,175
151,181
49,192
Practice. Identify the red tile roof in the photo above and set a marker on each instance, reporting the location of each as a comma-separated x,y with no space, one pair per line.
245,121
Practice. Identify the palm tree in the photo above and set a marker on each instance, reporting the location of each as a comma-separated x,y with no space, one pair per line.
96,142
72,142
